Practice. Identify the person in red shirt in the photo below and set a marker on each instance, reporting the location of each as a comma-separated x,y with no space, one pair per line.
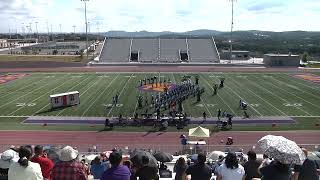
45,163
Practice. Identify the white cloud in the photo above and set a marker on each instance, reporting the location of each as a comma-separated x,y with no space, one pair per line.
161,15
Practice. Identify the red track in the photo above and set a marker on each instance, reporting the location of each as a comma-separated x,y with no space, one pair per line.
83,140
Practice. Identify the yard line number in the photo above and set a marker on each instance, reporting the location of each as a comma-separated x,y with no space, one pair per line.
293,105
110,105
25,104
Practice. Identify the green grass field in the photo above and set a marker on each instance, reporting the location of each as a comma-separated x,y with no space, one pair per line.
268,94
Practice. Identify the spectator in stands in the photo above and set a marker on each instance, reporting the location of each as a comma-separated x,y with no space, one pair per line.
45,163
200,170
7,158
251,166
180,168
230,169
147,172
307,171
128,163
217,164
117,170
86,166
24,168
68,168
97,167
275,170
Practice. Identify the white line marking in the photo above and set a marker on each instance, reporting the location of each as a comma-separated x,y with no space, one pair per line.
135,107
120,93
264,99
244,99
255,84
42,95
46,84
99,96
218,96
30,84
297,96
67,90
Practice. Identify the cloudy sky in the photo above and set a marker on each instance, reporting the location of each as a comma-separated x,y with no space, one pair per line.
159,15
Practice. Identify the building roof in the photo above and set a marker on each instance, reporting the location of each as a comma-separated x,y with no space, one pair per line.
64,94
282,55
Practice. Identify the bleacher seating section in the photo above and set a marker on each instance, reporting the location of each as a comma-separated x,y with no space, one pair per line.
156,50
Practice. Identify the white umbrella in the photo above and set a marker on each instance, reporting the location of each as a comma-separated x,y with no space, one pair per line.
214,155
282,149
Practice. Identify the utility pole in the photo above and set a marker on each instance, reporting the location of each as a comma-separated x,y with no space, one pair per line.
37,31
231,33
85,16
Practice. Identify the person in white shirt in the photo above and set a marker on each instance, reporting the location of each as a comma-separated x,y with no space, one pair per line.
231,169
24,169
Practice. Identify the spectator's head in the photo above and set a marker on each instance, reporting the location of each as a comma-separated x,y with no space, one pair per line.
7,158
96,160
38,150
25,153
145,160
231,161
128,163
181,161
221,157
252,155
265,156
201,158
305,151
68,154
115,158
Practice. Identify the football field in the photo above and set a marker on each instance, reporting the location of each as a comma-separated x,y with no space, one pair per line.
271,94
267,94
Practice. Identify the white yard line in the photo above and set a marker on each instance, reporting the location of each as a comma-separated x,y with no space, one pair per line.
120,93
219,96
266,101
135,107
302,80
46,84
244,99
84,112
30,84
281,82
301,98
42,95
67,90
264,89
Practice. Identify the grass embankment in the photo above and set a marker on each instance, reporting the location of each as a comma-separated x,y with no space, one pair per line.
55,58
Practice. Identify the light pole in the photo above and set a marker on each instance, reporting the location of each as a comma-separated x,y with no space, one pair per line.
232,1
85,16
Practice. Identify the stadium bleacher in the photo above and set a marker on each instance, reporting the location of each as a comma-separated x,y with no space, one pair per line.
202,50
115,50
159,50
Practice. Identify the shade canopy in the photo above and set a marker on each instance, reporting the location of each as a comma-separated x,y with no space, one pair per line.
199,132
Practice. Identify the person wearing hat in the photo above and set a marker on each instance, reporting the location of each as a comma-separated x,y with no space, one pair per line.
68,168
24,168
6,159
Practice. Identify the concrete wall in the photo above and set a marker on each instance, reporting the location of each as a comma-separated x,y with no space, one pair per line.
281,60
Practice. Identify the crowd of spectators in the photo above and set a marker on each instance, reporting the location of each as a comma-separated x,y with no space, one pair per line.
32,163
